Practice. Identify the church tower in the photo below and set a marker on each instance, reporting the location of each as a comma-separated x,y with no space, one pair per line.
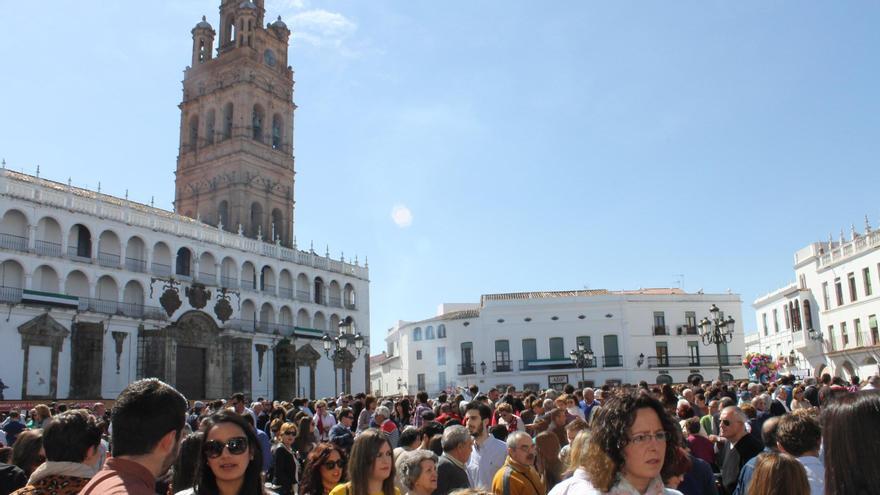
235,164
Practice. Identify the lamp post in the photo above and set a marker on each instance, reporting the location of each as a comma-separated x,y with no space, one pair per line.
717,331
483,367
582,358
335,347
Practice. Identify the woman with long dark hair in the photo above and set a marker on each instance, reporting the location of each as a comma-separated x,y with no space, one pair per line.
230,462
27,451
371,466
851,437
547,461
324,470
184,469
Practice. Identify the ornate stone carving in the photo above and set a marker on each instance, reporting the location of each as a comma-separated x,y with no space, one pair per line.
261,353
170,299
41,332
222,308
198,296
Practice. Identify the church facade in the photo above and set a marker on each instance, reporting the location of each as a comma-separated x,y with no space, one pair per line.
214,297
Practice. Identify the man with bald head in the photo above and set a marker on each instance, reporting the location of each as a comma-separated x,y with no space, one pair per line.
768,438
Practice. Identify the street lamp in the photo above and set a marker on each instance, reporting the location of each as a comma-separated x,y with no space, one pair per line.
814,334
483,367
335,347
717,331
582,358
400,384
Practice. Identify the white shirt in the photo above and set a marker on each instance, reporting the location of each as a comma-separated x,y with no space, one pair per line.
485,461
815,474
327,421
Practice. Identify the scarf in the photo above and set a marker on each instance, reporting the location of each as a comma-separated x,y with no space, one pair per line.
52,468
512,425
623,487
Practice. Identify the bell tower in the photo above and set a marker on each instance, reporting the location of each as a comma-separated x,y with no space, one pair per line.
235,165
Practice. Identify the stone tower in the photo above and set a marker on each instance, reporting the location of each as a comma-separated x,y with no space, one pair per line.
235,164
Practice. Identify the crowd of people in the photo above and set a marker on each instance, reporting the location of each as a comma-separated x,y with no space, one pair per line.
785,437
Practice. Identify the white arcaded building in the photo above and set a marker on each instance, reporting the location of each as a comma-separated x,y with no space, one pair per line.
524,339
826,321
97,291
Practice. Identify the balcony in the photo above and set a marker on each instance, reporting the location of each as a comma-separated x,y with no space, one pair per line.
693,361
47,248
135,265
229,282
502,366
268,289
335,302
303,296
109,260
206,278
548,364
74,253
612,361
467,369
285,292
14,242
350,306
10,294
661,330
687,330
132,310
160,269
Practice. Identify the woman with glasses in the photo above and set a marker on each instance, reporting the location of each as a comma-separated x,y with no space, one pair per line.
231,460
323,471
285,468
370,467
633,439
797,399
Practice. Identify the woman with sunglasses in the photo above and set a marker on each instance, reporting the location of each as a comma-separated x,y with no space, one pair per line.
633,441
323,471
371,466
285,468
231,461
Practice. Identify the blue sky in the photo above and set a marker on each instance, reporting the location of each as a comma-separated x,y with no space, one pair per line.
536,146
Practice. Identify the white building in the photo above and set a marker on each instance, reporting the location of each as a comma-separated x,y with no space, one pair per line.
524,339
83,277
826,321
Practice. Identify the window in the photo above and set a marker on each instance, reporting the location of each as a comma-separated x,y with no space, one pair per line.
851,277
420,378
808,315
776,321
417,333
872,326
694,353
659,323
429,333
585,339
785,313
502,355
764,323
529,350
441,331
825,297
418,355
441,356
831,337
690,322
866,281
838,289
843,335
796,314
612,351
467,358
557,348
662,354
857,328
441,380
390,349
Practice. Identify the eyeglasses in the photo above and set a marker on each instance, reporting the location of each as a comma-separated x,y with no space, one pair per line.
726,422
290,433
526,448
334,464
660,436
236,446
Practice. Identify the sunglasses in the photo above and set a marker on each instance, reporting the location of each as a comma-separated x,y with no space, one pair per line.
236,446
334,464
726,422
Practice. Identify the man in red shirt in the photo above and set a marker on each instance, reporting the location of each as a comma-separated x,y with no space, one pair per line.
148,418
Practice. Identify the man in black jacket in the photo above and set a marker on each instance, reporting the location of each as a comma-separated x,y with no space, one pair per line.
451,472
736,447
